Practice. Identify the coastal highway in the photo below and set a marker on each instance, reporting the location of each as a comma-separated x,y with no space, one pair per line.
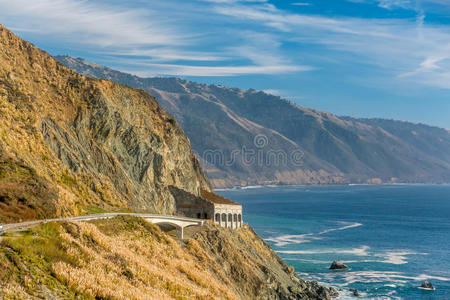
178,222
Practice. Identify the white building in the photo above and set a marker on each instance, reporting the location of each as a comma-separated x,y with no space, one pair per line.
208,205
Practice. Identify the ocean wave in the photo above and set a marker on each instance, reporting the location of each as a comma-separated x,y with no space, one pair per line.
351,225
397,257
361,251
284,240
391,278
290,239
249,187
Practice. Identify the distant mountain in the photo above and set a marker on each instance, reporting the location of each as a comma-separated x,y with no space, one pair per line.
252,138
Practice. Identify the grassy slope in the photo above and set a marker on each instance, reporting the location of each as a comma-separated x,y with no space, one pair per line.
128,258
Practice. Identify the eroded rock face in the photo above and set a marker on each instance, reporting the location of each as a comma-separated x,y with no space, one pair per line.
254,270
96,143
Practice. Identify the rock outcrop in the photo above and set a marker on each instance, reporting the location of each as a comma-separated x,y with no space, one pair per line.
427,285
79,144
337,265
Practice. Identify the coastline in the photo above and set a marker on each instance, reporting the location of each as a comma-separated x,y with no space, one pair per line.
248,187
388,250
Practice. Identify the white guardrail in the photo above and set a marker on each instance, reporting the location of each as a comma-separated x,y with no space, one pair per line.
28,224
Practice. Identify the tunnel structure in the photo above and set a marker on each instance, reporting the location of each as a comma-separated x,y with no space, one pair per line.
208,206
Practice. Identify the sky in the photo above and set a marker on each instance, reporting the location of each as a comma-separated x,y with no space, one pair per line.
363,58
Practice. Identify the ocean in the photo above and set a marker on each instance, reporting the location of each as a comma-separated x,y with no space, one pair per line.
392,237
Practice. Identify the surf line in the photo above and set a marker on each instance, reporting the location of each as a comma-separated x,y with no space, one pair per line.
284,240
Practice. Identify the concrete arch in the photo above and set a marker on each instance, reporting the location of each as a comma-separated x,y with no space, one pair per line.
178,224
230,220
235,221
224,220
240,220
217,218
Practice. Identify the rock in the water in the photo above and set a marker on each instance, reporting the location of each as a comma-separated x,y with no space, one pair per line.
427,285
355,292
337,265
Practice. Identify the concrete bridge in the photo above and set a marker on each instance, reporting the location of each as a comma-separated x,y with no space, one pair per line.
178,222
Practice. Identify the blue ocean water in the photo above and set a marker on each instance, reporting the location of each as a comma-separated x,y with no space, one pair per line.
391,236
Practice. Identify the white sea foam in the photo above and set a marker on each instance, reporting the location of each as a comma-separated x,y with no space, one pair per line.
394,278
248,187
348,226
361,251
284,240
397,257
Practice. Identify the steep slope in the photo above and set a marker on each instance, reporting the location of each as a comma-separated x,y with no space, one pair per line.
128,258
70,144
224,124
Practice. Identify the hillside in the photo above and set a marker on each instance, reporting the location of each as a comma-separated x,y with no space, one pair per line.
128,258
71,144
224,123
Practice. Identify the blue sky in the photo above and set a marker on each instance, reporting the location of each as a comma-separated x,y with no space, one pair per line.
365,58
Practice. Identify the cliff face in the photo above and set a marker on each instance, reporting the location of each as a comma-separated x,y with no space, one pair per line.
128,258
71,144
221,122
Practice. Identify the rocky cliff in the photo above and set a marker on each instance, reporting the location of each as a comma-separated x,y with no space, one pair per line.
71,144
285,143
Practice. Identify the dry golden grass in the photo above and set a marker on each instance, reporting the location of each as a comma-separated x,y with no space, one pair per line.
124,258
129,258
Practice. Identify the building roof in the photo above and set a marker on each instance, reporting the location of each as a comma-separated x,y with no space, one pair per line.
214,198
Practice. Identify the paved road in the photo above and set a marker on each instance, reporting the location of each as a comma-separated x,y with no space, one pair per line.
179,222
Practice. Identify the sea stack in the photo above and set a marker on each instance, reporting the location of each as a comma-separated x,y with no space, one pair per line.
427,285
337,265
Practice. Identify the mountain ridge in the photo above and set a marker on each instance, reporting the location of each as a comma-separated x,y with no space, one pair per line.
335,150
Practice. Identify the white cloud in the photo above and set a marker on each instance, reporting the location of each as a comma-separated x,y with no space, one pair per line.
238,37
405,49
390,4
165,54
186,70
91,23
273,92
301,4
146,36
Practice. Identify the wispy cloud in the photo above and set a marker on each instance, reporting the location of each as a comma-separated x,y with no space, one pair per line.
301,4
407,49
390,4
90,22
146,36
241,37
185,70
